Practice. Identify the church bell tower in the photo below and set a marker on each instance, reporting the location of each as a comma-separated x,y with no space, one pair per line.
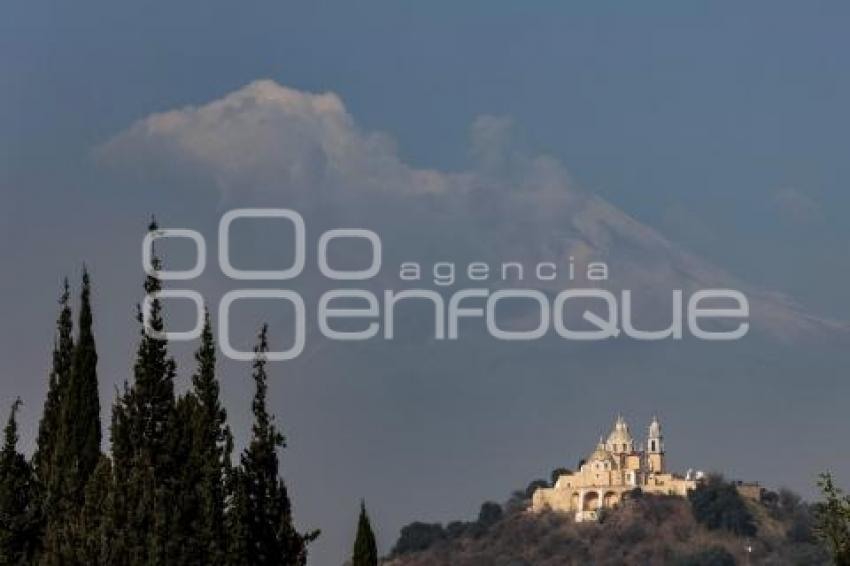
655,447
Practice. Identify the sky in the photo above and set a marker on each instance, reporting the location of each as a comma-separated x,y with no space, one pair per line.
685,145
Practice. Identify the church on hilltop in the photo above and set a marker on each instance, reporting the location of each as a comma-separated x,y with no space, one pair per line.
610,474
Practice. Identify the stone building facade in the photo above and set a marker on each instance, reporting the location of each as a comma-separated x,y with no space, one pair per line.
612,472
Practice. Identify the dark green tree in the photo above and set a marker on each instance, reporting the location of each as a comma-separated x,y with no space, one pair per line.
184,544
718,505
238,520
93,534
832,516
490,514
63,352
209,457
557,473
143,462
77,439
365,548
44,459
418,536
69,435
263,529
19,515
199,443
533,486
80,428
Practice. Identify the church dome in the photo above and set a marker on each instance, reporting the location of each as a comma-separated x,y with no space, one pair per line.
620,435
600,454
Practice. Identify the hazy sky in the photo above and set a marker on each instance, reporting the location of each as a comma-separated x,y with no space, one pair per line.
685,145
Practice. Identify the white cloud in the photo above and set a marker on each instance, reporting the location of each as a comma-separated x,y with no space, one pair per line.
266,137
281,145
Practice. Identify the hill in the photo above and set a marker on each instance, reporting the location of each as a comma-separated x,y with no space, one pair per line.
715,526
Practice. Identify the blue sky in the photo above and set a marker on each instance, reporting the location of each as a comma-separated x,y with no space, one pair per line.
722,126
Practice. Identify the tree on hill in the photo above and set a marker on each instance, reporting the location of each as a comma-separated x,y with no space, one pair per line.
533,486
718,505
365,548
418,536
556,473
489,514
833,520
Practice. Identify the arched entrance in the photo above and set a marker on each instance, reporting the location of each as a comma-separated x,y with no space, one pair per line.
610,499
591,501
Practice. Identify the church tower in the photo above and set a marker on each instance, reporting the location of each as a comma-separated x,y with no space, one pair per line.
655,447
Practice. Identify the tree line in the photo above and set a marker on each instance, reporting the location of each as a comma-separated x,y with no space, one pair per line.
169,490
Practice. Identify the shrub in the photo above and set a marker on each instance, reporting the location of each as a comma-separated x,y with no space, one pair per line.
418,536
534,486
632,495
717,505
456,529
711,556
802,528
558,472
631,534
489,514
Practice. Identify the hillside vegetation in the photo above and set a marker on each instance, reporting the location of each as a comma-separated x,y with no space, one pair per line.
714,527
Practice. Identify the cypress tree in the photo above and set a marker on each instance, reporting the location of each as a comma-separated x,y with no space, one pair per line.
209,458
199,444
19,524
94,530
81,428
76,449
144,466
183,545
832,517
48,428
262,510
365,548
238,520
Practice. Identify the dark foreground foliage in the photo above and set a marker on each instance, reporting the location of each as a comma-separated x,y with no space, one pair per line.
833,520
168,491
365,547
